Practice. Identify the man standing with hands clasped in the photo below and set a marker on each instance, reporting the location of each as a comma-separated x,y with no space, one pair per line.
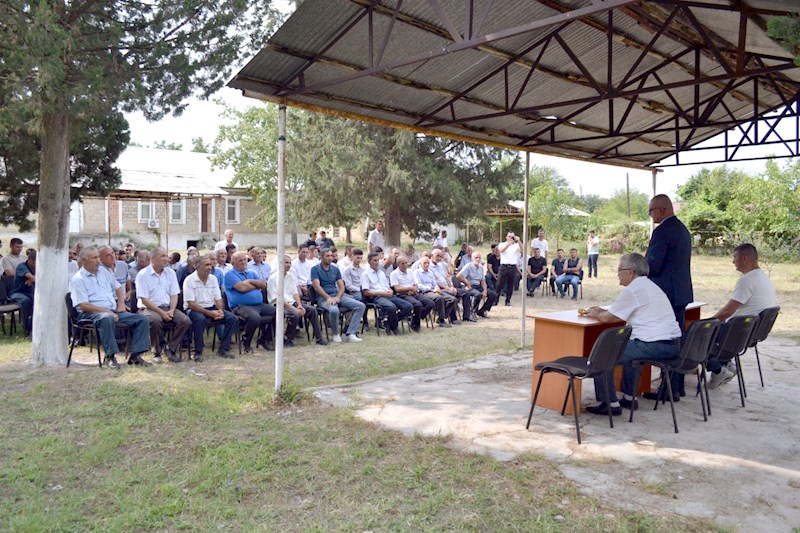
509,254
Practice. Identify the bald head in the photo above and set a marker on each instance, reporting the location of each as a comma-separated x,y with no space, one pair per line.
661,208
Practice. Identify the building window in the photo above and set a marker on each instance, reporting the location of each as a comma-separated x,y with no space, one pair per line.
177,211
147,211
232,210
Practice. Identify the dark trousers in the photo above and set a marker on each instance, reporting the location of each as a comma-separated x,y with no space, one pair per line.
422,307
593,264
294,321
392,309
475,299
230,325
254,316
180,325
106,327
533,283
444,303
505,280
677,380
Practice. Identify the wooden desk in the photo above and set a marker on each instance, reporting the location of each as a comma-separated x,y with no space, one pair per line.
565,333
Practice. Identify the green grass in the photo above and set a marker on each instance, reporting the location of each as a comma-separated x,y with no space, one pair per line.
203,447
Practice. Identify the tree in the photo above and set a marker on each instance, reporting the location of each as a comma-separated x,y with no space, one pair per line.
549,196
201,146
615,209
63,61
786,30
708,197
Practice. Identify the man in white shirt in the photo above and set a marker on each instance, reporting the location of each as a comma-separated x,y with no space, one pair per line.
221,245
510,252
202,300
402,281
301,267
425,281
157,293
294,308
441,271
441,240
541,243
656,334
375,288
376,238
753,293
592,252
347,261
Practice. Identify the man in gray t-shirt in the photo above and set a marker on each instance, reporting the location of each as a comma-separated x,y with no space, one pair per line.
474,279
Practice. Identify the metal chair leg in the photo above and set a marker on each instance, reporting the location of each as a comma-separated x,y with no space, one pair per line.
575,409
535,396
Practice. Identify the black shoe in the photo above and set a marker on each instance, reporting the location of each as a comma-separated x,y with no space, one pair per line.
247,350
626,404
288,343
265,345
483,314
226,354
444,325
322,342
602,409
416,329
136,359
455,321
111,361
659,397
198,358
508,304
473,318
172,356
395,331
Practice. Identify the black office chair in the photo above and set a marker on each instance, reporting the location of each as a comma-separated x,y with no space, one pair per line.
604,357
694,352
766,319
736,335
79,326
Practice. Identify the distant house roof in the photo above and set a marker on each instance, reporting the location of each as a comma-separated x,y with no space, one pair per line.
156,173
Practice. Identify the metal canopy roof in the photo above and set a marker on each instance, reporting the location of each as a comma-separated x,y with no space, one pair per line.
619,81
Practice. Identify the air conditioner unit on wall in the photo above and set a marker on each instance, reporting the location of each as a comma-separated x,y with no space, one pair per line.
152,224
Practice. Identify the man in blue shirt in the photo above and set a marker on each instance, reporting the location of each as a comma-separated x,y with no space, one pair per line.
93,294
330,293
244,290
22,291
258,264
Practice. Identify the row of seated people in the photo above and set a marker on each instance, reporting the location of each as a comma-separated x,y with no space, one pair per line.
99,296
565,272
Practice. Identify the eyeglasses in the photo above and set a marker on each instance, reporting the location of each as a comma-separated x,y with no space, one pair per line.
623,269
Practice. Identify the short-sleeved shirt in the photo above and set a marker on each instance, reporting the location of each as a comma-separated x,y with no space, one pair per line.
440,272
98,289
376,239
11,262
494,263
755,292
19,280
645,307
425,281
558,266
289,287
541,245
594,249
372,280
158,288
327,278
203,294
537,264
401,279
510,255
236,298
473,274
121,269
222,245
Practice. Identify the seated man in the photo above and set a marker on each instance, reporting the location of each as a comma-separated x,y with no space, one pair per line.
98,297
752,294
293,307
656,334
323,241
402,282
375,288
190,266
571,275
330,292
558,264
23,289
14,257
301,267
493,268
352,275
474,280
411,255
425,280
243,289
536,271
259,264
202,300
347,261
441,272
119,269
157,292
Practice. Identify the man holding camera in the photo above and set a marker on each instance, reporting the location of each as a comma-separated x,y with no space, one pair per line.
510,252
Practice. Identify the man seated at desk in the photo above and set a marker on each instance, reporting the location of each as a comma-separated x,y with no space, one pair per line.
656,334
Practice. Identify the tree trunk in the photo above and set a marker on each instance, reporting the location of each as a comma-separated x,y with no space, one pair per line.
294,233
50,314
393,224
348,235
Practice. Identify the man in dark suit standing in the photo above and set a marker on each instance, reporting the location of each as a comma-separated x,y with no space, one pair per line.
669,257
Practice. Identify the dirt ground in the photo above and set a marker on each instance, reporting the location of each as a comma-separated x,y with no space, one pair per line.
740,469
